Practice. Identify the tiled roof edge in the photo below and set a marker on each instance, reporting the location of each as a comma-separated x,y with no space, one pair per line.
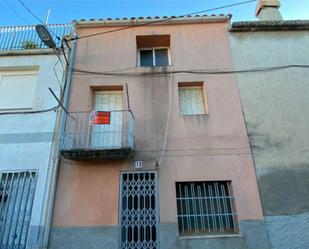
256,26
157,20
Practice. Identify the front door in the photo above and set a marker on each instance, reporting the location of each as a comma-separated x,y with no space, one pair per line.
138,211
108,135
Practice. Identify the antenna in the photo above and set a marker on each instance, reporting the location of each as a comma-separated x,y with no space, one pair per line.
47,16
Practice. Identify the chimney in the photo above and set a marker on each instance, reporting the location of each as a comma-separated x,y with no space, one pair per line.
268,10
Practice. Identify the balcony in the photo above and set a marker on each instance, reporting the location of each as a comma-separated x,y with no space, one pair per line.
98,135
25,37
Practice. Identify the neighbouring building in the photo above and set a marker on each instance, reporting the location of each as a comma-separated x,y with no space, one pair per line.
28,115
155,152
276,109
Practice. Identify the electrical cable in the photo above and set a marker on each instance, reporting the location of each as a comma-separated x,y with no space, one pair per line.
31,112
56,75
167,119
164,19
56,52
29,10
48,109
63,69
36,17
199,71
16,12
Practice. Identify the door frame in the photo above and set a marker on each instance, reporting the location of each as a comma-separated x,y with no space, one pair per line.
156,204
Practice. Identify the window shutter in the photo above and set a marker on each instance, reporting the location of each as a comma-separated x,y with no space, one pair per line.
17,90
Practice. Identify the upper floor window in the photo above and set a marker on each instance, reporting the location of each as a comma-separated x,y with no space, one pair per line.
191,98
153,57
17,89
153,50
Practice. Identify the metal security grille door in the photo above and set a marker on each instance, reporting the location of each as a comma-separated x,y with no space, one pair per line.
108,135
17,191
139,214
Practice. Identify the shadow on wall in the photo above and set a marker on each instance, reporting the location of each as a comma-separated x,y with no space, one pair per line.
284,183
285,191
264,141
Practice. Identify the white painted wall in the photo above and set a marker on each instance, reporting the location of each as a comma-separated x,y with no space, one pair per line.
26,139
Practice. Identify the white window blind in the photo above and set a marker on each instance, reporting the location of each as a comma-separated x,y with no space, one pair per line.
108,136
17,90
191,100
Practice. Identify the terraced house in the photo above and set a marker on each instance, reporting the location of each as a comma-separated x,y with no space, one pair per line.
276,108
155,152
28,118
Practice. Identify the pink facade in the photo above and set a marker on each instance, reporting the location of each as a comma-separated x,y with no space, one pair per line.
199,148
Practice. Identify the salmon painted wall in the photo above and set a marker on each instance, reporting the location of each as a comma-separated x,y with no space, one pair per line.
201,147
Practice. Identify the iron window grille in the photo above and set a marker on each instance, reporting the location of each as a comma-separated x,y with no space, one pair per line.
17,190
138,211
205,208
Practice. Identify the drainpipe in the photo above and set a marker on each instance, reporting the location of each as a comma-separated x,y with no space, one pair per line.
57,163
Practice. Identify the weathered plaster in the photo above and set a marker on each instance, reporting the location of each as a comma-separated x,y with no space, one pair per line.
208,147
288,231
252,236
276,110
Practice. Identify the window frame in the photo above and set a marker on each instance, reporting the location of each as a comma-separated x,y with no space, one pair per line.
17,72
153,49
199,234
197,85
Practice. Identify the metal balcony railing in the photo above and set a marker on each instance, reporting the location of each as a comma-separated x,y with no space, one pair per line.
98,134
25,37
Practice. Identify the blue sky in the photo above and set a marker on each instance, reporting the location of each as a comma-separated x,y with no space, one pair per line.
64,11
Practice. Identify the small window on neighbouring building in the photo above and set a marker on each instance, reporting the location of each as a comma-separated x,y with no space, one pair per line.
153,50
191,98
205,208
17,89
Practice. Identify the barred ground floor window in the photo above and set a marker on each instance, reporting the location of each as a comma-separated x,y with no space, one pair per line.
205,208
17,190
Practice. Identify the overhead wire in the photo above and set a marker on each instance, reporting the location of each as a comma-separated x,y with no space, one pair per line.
36,17
164,19
30,11
54,67
56,75
167,120
16,12
54,108
199,71
31,112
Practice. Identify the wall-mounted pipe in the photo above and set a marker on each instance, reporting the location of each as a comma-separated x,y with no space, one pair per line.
57,162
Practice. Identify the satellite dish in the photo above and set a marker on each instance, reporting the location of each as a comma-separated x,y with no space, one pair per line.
45,36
